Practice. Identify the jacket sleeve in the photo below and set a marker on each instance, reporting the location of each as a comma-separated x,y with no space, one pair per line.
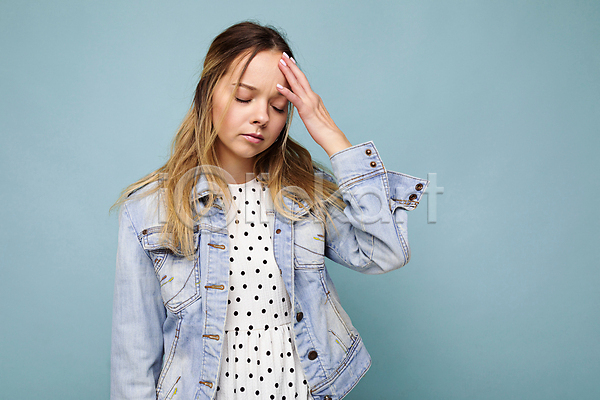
370,234
138,316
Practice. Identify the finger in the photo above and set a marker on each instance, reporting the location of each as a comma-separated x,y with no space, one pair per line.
301,82
291,96
297,71
291,78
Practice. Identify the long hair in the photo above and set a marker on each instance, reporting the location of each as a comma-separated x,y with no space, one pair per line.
285,164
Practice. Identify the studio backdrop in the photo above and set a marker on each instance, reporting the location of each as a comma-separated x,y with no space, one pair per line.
497,102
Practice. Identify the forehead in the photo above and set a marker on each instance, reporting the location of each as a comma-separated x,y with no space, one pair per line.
264,66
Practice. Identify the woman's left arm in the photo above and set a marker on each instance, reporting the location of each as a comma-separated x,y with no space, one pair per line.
370,234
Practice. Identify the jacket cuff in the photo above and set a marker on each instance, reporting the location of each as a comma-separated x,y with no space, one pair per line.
356,163
361,162
405,190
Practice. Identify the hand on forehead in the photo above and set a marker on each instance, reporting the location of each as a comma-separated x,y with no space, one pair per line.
261,74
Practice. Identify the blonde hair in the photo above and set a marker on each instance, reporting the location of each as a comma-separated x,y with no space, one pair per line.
283,166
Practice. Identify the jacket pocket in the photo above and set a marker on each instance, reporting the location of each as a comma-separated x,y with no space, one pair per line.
309,243
179,277
343,330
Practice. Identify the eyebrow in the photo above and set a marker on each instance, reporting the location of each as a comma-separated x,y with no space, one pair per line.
245,85
250,87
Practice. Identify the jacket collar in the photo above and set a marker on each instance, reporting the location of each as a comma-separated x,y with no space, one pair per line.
204,188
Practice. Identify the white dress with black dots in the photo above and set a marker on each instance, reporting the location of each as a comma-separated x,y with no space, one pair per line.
259,360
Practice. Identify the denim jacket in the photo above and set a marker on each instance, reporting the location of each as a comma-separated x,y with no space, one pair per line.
169,311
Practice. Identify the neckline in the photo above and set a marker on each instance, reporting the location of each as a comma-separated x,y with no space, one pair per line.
252,181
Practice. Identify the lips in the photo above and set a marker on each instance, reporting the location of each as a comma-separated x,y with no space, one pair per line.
253,137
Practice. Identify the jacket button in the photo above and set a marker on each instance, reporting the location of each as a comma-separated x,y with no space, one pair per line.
312,355
368,152
299,316
144,232
328,397
278,231
373,164
419,186
412,197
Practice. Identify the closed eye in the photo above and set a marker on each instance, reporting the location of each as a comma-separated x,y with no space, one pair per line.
279,110
242,100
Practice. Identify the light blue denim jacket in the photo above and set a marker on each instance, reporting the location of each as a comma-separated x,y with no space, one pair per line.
169,311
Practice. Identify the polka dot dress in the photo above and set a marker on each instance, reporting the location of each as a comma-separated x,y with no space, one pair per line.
259,360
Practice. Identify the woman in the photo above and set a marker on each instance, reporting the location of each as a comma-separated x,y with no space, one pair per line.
221,288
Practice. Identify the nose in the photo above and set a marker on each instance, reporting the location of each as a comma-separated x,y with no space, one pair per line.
260,114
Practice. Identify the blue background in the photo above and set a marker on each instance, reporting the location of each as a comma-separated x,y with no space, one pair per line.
500,98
